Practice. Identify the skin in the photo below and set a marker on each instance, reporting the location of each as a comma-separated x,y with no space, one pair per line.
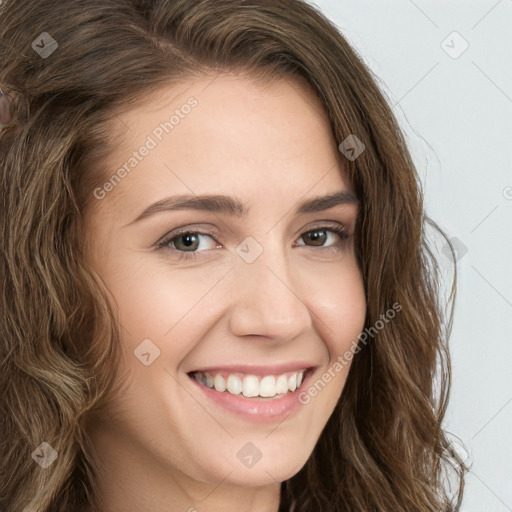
164,446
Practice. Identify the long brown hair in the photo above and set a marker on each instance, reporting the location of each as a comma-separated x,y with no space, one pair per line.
384,447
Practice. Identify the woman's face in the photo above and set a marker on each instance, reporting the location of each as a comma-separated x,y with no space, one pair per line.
268,293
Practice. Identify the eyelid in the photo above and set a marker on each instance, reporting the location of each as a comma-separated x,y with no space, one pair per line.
323,224
335,227
204,229
185,229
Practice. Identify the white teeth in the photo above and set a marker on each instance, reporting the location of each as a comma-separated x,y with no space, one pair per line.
268,386
292,382
220,383
252,386
234,385
281,385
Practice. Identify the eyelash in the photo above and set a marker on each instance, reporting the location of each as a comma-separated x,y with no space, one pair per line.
188,255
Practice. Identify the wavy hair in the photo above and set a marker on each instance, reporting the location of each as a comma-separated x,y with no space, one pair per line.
384,447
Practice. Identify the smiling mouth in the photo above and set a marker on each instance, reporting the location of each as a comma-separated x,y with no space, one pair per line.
263,387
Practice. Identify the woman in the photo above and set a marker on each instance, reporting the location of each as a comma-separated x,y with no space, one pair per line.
217,292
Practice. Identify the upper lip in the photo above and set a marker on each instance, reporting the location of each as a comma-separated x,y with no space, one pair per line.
274,369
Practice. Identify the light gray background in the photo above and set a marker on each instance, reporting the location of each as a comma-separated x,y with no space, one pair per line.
457,116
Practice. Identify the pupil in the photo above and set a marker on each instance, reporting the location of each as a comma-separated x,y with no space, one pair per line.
188,240
313,235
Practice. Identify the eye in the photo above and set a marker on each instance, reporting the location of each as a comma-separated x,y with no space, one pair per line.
187,242
319,235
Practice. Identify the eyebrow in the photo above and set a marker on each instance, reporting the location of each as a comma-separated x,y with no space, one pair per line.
234,207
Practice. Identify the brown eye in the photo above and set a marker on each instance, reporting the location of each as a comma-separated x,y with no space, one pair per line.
186,244
190,242
317,236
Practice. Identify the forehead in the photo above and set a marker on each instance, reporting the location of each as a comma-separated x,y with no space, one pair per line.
225,133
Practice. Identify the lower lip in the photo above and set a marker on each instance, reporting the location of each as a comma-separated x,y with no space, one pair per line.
257,410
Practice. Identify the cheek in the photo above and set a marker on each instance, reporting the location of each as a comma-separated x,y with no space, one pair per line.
340,309
172,307
157,302
339,302
146,293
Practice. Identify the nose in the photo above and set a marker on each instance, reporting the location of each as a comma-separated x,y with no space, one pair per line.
267,299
